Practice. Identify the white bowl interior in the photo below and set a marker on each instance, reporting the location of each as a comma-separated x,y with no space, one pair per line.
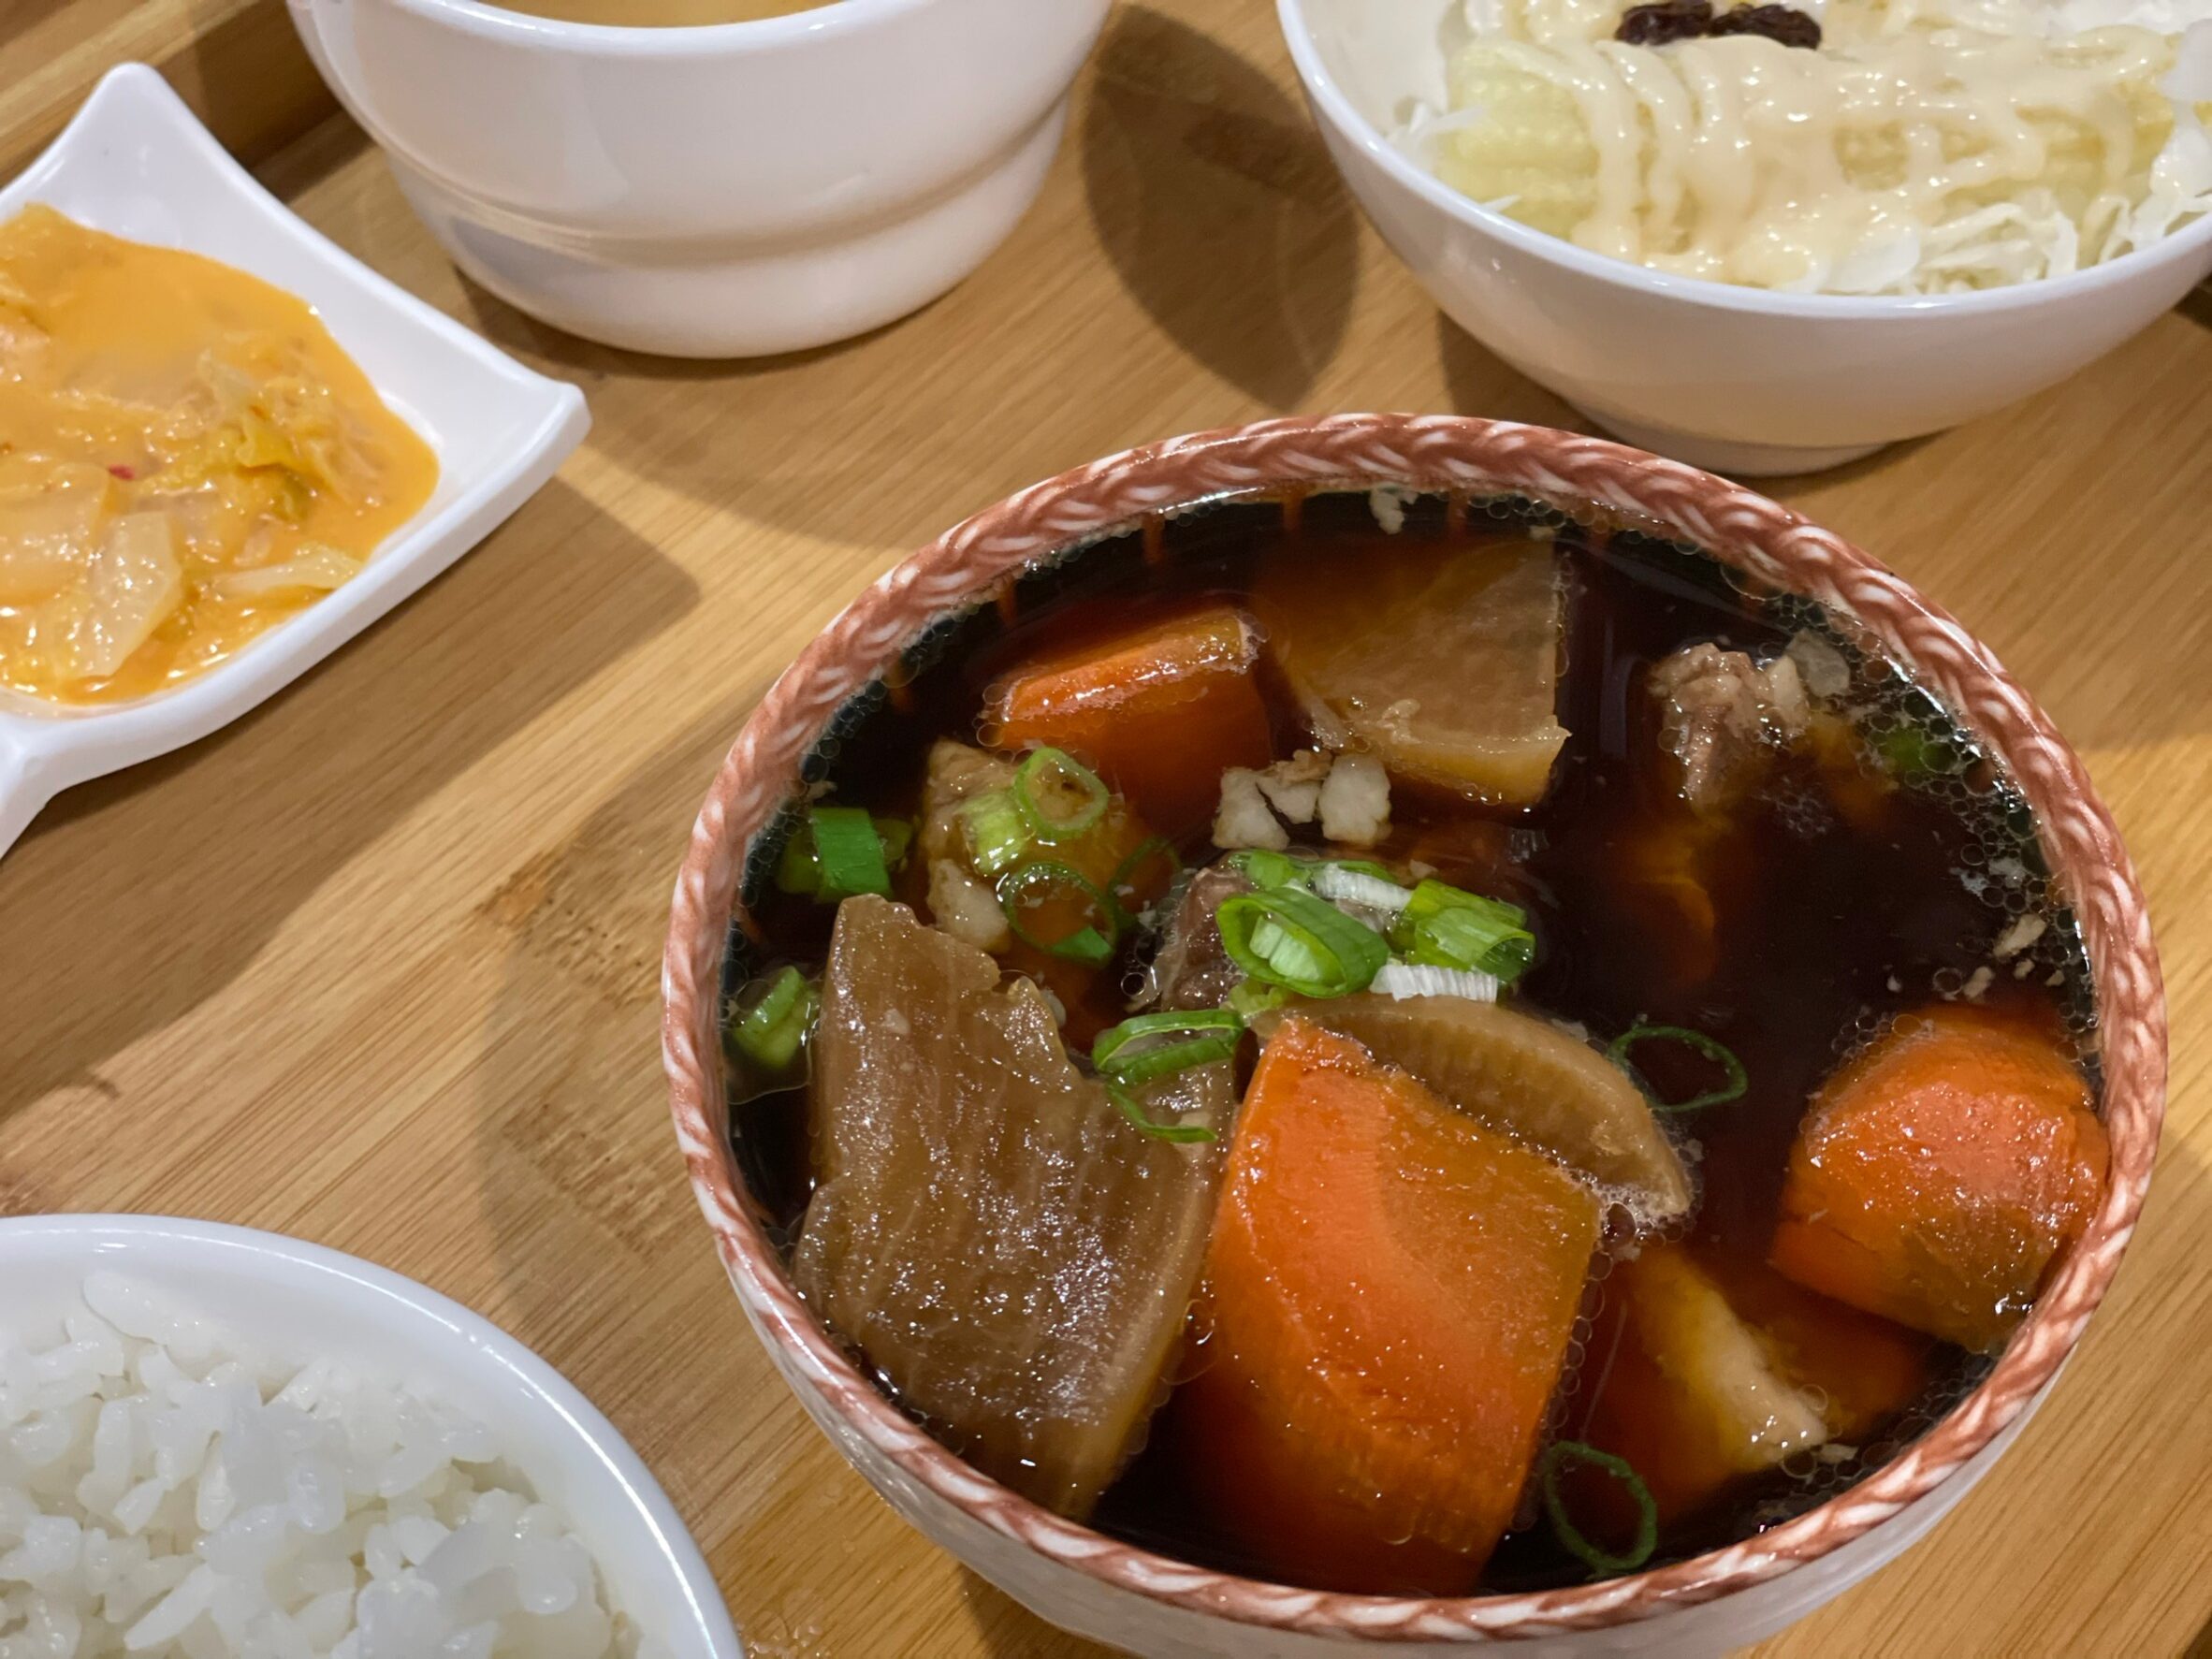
296,1301
1384,58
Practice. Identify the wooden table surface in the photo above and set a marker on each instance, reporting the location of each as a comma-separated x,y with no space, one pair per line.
378,965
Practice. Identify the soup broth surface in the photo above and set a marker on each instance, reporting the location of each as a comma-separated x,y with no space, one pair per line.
1835,910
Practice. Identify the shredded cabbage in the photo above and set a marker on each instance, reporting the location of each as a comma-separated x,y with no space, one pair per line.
1927,146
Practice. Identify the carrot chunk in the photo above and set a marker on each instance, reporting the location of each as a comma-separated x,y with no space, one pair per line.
1705,1370
1939,1173
1161,714
1391,1289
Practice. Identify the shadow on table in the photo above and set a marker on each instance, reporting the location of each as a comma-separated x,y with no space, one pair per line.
813,441
1481,384
2197,305
235,832
572,1107
1218,206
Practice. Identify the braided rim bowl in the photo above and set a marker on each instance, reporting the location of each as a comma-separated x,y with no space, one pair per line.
1442,453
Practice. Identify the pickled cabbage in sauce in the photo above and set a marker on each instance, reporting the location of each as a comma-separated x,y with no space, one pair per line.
1413,1046
186,459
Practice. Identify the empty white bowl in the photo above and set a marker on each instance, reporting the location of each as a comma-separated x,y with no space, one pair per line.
136,164
722,191
1731,379
298,1302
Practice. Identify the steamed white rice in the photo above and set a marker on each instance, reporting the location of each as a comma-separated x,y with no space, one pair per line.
166,1492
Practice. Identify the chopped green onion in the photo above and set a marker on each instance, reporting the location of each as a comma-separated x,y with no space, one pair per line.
1046,782
851,851
1091,943
897,836
1121,887
857,856
997,834
1254,998
1265,869
1287,936
1910,750
1364,866
1446,927
1571,1536
1165,1043
1357,883
778,1014
1181,1134
797,870
1719,1053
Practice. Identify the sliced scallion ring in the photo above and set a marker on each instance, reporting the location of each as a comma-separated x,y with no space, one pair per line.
772,1018
1181,1134
1718,1052
1266,870
1121,887
1359,883
1060,796
1561,1453
1157,1044
997,831
1088,939
1253,998
1287,936
799,868
1363,866
849,851
1446,926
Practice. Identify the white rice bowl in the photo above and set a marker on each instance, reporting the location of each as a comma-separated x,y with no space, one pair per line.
166,1490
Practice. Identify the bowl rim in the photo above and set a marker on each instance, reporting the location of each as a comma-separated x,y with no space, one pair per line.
269,1256
1333,104
1431,453
826,19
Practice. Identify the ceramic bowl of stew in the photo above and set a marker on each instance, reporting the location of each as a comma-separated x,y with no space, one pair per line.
1098,1580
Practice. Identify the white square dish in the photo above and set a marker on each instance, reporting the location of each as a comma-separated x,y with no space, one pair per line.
134,163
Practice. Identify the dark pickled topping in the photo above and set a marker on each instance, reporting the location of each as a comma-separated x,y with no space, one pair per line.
1688,20
1785,25
1665,23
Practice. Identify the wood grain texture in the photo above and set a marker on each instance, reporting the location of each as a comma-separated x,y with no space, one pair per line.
376,966
238,63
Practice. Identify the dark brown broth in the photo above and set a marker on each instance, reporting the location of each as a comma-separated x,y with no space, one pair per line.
1824,928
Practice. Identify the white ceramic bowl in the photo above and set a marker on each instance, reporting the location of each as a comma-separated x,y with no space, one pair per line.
1736,380
723,191
136,164
298,1301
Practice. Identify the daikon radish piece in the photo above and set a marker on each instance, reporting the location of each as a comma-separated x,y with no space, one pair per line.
1011,1253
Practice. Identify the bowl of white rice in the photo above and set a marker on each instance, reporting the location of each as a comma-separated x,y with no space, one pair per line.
221,1444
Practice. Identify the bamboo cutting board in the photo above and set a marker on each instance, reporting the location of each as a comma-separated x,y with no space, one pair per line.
378,965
